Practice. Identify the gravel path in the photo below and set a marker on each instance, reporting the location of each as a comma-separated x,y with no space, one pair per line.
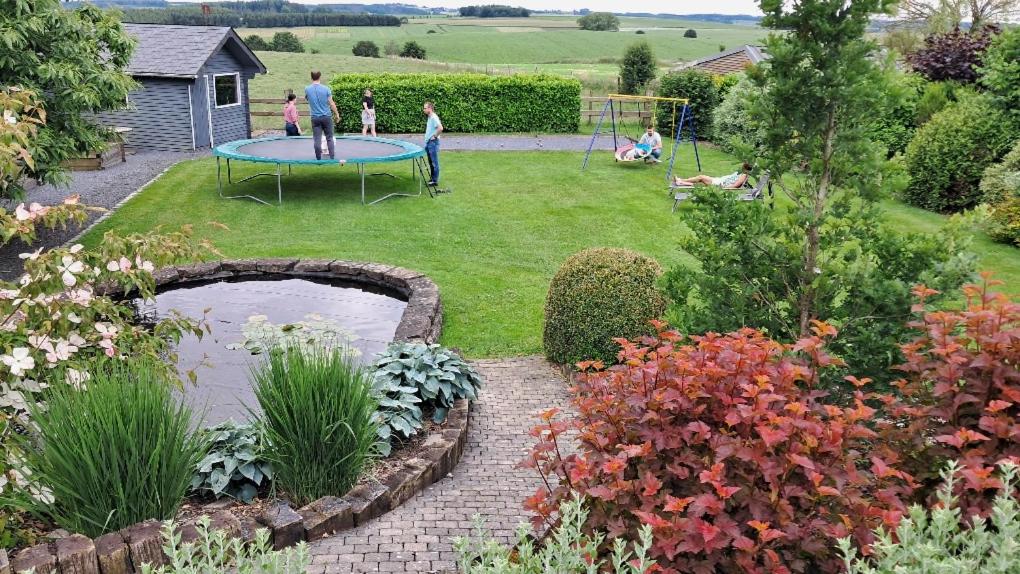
102,188
416,537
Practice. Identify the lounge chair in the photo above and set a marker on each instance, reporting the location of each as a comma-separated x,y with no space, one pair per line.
747,193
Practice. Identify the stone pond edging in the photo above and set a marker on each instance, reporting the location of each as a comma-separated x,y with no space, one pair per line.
124,551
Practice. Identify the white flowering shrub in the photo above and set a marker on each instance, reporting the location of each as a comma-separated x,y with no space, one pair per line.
64,308
568,549
942,541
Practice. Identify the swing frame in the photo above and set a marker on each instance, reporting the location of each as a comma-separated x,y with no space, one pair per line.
686,118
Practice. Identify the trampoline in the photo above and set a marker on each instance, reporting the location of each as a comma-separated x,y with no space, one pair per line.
291,151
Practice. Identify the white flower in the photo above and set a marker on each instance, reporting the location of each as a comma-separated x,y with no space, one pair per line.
11,119
144,265
75,339
31,256
81,296
107,330
61,350
19,361
9,293
124,265
74,318
76,247
68,268
22,214
77,378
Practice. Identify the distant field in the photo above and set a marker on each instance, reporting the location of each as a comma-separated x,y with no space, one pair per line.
529,40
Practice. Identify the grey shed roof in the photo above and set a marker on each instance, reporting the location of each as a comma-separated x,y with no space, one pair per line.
166,51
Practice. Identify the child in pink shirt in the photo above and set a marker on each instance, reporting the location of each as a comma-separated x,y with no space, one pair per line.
290,116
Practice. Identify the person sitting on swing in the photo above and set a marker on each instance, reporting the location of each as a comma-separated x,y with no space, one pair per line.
735,180
651,141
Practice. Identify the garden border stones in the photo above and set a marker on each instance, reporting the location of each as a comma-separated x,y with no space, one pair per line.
124,551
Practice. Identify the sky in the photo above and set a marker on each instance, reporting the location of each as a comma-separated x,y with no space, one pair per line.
654,6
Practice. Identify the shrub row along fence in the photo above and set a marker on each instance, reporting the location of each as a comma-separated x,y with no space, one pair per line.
589,110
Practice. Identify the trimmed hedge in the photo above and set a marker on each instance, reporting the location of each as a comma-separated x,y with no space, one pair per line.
697,86
466,102
598,295
1000,188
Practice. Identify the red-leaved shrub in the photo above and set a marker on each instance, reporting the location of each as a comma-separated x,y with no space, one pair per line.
961,394
723,445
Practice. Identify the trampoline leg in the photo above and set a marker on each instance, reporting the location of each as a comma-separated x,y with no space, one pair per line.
219,182
279,186
361,168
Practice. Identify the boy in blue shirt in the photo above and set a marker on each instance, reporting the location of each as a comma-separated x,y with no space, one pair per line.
323,112
433,128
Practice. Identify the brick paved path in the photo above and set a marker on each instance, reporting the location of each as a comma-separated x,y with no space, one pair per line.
416,536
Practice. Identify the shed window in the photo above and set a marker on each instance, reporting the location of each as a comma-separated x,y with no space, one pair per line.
227,90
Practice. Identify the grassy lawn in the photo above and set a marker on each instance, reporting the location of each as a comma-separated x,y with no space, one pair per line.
492,245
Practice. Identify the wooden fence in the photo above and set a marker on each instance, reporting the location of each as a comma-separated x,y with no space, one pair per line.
591,108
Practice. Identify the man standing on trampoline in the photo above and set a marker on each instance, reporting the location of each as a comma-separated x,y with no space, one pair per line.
433,128
323,112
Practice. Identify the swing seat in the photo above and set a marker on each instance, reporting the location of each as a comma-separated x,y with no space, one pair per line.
623,153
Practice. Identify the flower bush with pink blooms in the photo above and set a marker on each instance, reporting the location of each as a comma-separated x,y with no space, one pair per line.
66,307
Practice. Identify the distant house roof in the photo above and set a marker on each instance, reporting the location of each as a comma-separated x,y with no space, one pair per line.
165,51
730,61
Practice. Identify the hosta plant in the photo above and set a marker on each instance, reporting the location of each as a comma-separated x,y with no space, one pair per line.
961,391
233,465
724,446
440,375
212,552
399,415
568,549
944,540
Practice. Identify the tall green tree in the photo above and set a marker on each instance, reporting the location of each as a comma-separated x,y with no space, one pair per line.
818,91
74,60
599,22
637,68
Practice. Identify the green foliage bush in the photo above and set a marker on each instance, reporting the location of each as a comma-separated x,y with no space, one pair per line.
257,43
1000,188
115,454
287,42
392,48
366,49
749,256
942,540
318,414
691,33
412,50
598,295
935,96
599,22
212,552
735,129
895,120
233,465
948,154
570,548
466,102
1000,74
699,87
637,68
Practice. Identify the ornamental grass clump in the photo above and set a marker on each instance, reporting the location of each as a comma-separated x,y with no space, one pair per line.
598,295
116,453
724,446
317,411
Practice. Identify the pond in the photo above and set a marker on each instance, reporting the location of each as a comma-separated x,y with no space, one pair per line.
222,391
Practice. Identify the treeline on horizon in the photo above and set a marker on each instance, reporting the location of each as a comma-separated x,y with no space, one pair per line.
251,18
494,11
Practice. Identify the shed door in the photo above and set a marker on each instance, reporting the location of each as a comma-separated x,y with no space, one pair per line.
200,111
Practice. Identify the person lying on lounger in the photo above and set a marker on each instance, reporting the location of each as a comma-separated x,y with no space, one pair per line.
735,180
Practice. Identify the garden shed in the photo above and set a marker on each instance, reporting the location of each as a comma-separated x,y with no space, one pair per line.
193,89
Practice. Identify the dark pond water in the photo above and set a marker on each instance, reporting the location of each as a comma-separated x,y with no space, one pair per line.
223,389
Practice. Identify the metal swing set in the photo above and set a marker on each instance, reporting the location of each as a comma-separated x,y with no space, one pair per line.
614,104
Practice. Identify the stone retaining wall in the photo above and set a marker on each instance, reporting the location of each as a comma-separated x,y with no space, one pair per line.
124,551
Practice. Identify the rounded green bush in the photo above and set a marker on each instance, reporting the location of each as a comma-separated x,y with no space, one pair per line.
948,155
598,295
